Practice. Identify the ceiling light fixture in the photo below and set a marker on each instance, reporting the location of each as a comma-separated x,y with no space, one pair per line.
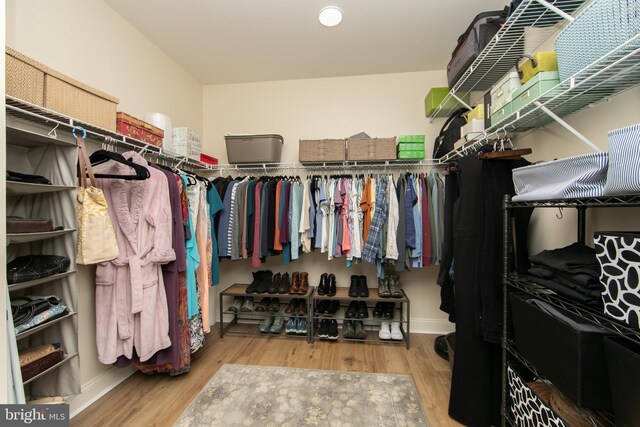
330,16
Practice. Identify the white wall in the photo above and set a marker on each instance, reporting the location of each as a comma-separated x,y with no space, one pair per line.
88,41
380,105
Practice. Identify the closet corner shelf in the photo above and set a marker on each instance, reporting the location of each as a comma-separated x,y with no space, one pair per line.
67,357
27,138
33,237
342,293
23,188
31,283
45,325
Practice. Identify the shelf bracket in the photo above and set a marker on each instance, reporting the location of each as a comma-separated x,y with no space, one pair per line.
556,10
567,126
460,101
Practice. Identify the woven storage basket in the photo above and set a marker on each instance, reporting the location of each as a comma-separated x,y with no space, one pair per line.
568,178
601,27
322,150
40,85
371,149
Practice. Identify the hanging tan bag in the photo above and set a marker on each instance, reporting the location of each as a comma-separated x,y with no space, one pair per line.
96,238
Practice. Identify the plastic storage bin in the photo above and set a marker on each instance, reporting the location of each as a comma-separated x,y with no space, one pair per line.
499,114
568,178
570,354
254,148
623,360
539,85
623,176
435,97
618,254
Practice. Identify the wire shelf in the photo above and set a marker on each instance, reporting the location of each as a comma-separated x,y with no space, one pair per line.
611,202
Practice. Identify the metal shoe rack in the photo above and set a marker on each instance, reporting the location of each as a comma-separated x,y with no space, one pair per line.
514,282
246,323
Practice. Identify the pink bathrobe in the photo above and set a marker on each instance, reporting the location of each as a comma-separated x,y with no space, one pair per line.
131,304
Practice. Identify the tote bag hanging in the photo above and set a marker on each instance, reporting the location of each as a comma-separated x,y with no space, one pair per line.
96,238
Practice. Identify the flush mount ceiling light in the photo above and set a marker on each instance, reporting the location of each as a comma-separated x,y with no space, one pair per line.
330,16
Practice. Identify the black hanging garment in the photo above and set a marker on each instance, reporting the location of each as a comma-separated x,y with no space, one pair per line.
477,228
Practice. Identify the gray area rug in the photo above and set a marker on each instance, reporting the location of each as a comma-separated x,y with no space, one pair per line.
265,396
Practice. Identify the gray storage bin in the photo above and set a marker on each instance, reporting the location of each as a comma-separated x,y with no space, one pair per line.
254,148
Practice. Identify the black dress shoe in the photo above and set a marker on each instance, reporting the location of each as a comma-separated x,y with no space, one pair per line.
352,310
320,307
331,285
275,284
363,310
354,287
333,307
388,309
322,286
363,289
378,310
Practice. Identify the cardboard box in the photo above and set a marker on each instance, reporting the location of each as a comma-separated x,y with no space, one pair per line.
138,129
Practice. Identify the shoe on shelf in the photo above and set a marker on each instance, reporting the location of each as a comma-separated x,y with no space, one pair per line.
353,287
295,283
322,286
292,326
363,289
274,305
385,331
247,305
304,283
265,324
360,334
363,310
275,283
388,310
383,288
333,329
320,306
278,324
284,284
323,330
237,304
257,278
331,285
302,308
352,310
292,307
332,308
396,333
263,305
265,283
394,285
302,326
348,331
378,310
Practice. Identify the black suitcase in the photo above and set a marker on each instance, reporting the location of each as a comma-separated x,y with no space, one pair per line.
482,29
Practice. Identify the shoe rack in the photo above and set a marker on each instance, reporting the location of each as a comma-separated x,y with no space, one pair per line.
248,322
371,325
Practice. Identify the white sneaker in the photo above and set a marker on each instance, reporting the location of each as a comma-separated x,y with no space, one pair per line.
385,332
396,333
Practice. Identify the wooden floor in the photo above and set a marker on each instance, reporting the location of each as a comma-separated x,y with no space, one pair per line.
159,400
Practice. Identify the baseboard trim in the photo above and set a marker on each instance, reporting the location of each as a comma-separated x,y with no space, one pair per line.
431,326
98,387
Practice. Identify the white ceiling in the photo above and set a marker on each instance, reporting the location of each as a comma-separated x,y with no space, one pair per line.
234,41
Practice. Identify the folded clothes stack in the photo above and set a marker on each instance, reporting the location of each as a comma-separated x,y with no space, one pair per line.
572,271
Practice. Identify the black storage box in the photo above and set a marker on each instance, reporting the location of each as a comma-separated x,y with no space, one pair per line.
572,359
623,360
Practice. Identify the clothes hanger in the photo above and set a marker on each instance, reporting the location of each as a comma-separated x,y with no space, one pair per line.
103,156
500,153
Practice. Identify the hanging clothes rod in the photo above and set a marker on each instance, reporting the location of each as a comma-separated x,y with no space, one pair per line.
389,164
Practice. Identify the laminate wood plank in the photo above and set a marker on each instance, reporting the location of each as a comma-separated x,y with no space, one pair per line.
158,400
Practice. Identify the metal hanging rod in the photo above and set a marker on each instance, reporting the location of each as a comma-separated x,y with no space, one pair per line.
389,164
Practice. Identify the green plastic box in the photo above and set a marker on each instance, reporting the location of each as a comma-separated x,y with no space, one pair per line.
414,154
411,146
535,88
436,96
411,138
501,113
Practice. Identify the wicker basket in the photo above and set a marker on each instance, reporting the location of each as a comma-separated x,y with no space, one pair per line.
602,26
40,85
322,150
371,149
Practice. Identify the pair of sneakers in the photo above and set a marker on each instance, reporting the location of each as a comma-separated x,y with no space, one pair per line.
389,287
390,331
272,324
269,304
243,304
354,329
297,326
328,329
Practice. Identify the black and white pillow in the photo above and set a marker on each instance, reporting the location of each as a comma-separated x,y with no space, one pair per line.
619,258
526,407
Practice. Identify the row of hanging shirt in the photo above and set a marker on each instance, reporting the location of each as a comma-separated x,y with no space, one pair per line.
377,219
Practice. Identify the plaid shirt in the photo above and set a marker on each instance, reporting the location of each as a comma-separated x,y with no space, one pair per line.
373,246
